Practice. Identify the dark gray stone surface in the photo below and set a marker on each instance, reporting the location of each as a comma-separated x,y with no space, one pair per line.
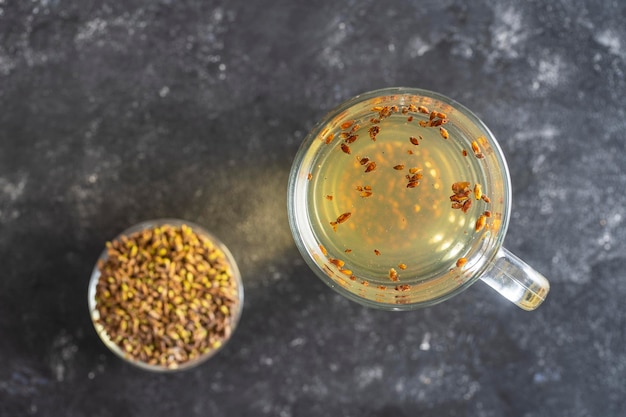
112,112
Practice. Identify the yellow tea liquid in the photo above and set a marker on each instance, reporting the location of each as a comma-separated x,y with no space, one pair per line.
395,224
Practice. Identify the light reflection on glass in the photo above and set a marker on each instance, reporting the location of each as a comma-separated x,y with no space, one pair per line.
437,238
445,245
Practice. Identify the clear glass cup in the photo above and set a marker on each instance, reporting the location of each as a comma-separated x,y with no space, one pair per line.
115,348
321,186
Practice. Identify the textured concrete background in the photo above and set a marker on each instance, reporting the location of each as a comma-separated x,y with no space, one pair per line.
112,112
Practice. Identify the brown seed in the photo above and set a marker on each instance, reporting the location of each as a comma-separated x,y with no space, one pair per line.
457,205
398,167
345,148
412,184
359,188
329,197
355,128
323,249
351,138
334,225
444,133
370,166
337,262
374,120
348,250
410,152
364,160
393,275
403,287
365,283
475,147
394,108
423,109
479,155
329,138
373,131
413,140
368,187
458,197
409,119
464,152
485,199
344,135
487,213
460,262
414,170
480,222
436,122
342,218
352,277
385,112
433,114
460,187
346,125
478,191
466,206
402,266
405,110
381,287
423,123
366,194
413,108
377,252
309,176
441,115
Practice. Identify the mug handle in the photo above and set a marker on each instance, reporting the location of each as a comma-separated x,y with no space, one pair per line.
516,281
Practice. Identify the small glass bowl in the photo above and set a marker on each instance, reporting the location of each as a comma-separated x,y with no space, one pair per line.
235,313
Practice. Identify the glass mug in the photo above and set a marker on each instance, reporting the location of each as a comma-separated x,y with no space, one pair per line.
400,198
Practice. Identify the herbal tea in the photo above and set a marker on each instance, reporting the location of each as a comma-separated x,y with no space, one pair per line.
400,198
398,194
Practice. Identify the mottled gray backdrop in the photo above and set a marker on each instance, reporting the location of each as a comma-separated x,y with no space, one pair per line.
112,112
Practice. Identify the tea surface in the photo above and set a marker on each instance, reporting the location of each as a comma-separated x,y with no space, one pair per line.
380,197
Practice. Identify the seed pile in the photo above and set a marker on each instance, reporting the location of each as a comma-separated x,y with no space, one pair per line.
166,295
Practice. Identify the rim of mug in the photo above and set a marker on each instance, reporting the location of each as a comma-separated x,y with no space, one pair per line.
489,253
